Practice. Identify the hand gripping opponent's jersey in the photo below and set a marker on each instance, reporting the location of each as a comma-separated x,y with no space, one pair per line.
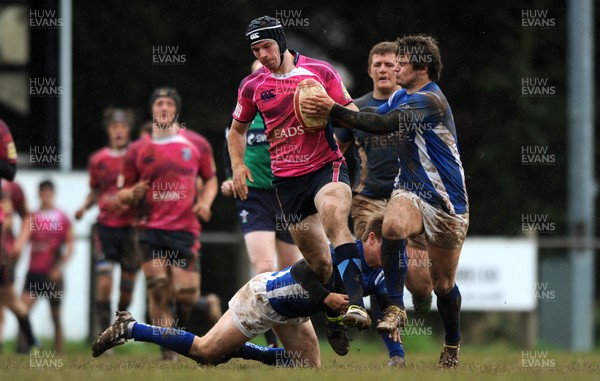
289,299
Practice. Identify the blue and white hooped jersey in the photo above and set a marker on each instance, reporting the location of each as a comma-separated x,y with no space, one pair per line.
429,157
288,298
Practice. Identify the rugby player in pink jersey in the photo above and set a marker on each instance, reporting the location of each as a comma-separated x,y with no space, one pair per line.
161,178
310,174
50,232
116,237
10,251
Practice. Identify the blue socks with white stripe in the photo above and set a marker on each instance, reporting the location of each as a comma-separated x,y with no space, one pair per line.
350,269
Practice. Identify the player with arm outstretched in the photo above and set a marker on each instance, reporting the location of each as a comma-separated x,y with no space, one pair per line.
430,194
376,167
311,177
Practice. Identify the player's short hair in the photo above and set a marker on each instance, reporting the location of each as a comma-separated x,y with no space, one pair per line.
382,48
423,51
114,115
375,225
46,184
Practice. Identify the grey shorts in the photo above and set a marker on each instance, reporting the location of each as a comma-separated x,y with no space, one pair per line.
447,231
364,208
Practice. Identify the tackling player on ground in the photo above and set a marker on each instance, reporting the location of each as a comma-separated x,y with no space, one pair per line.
311,176
270,300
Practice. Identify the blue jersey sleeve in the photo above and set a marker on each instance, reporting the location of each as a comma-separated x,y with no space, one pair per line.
423,109
394,101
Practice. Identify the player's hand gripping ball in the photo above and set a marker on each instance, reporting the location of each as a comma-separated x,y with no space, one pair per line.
308,88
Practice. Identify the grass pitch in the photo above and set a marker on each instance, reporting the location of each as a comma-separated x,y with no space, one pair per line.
364,363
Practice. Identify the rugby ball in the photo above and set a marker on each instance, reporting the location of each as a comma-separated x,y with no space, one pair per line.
308,88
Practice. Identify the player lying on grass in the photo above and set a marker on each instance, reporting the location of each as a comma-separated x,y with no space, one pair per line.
270,300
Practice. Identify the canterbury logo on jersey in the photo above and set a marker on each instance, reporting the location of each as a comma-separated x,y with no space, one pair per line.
267,95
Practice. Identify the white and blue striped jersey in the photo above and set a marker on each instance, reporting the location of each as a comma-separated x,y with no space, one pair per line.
289,299
429,158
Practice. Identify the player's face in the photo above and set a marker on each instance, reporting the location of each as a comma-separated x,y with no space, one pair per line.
164,110
118,134
382,71
267,53
406,76
47,196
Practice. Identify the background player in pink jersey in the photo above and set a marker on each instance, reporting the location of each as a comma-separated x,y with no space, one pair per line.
50,232
311,177
14,202
115,232
9,251
160,177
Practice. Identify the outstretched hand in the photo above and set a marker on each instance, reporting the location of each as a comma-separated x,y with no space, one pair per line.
319,105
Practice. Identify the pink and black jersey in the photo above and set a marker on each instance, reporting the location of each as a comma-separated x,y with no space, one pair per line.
49,231
8,152
170,166
294,151
104,168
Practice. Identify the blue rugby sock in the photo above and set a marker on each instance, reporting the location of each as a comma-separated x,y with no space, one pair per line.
394,348
176,340
349,267
266,355
449,307
395,264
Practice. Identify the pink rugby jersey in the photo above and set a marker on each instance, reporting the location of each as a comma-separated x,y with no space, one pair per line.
294,150
49,231
8,152
104,168
170,166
